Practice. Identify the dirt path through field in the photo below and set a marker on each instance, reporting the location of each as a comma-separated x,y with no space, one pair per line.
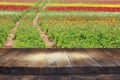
9,43
42,33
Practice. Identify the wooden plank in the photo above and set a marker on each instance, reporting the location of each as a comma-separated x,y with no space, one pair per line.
35,77
7,62
64,65
10,59
61,77
19,58
62,59
43,61
80,59
5,59
50,63
19,63
96,77
1,50
35,58
4,51
57,77
57,59
114,55
50,60
101,57
57,62
17,77
83,63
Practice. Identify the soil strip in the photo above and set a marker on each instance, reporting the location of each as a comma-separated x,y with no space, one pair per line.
9,43
42,33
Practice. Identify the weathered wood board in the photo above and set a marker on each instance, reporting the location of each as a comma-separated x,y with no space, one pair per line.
60,61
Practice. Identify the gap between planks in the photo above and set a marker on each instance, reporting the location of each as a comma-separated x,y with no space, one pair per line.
45,38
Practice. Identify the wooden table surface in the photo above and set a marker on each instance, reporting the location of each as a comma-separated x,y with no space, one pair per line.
59,61
60,77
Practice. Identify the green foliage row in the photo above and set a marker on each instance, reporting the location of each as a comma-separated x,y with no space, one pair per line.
27,35
6,24
13,16
81,35
87,36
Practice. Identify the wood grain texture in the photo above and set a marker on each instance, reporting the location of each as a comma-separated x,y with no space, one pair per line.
61,77
101,57
115,55
59,61
80,58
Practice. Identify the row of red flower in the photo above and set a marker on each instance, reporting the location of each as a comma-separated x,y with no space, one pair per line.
59,8
14,7
91,1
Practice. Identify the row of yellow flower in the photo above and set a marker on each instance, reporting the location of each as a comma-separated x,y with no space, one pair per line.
83,5
62,4
18,3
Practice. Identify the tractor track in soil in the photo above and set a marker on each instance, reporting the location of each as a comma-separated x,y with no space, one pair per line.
45,38
10,39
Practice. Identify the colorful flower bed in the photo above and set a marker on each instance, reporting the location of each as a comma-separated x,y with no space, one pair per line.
83,7
16,6
20,0
107,9
13,7
82,29
88,1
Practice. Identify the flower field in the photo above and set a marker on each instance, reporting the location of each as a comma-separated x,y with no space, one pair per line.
10,15
16,6
87,1
67,5
82,30
79,25
84,5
